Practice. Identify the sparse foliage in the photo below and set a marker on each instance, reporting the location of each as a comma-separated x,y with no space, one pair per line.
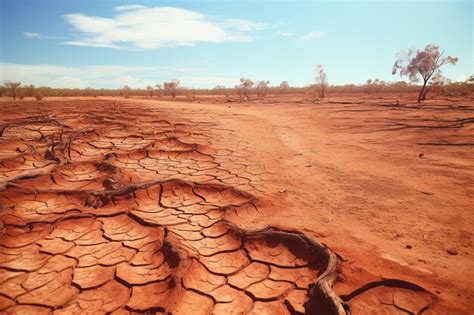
171,87
12,87
158,89
126,91
439,82
422,63
374,86
284,87
149,90
262,88
38,95
244,89
21,94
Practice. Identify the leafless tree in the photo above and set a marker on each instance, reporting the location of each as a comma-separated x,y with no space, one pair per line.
244,89
321,80
12,87
422,63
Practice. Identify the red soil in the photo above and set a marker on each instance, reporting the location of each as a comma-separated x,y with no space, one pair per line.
270,207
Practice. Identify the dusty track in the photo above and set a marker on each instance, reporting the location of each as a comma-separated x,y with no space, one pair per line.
152,207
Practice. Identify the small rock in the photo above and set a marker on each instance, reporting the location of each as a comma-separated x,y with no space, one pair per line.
421,155
409,246
452,251
282,191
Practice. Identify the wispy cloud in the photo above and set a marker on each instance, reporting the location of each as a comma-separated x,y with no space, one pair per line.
284,34
129,7
313,35
244,25
38,36
108,76
137,26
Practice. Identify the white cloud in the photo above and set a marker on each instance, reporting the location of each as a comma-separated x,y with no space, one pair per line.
143,27
311,36
107,76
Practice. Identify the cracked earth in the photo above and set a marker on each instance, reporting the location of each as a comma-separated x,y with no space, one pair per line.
123,207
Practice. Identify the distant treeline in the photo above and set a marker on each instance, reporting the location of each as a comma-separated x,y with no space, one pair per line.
246,90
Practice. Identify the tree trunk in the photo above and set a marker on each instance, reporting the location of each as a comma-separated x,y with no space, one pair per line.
428,88
422,92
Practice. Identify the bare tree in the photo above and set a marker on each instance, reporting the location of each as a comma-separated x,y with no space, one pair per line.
422,63
12,87
171,87
321,80
244,89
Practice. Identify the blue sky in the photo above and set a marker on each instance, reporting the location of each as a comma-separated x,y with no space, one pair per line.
204,43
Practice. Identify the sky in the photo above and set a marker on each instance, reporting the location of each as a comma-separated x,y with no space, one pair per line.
109,44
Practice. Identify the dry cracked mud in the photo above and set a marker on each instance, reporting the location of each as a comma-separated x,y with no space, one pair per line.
109,207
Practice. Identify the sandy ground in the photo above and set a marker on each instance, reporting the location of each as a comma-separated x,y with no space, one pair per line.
252,194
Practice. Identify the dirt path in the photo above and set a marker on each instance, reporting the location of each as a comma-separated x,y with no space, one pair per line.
162,206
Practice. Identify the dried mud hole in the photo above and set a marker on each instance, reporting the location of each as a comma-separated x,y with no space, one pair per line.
114,209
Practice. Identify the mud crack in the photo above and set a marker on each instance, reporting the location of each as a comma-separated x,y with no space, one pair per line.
123,211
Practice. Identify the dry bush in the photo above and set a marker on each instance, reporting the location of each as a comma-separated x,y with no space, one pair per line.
12,88
38,95
126,91
284,87
244,89
262,88
158,90
149,90
21,94
171,87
